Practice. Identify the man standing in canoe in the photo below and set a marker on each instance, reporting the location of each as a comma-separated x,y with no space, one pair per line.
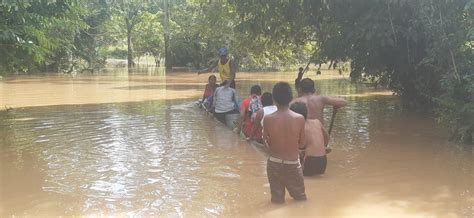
224,66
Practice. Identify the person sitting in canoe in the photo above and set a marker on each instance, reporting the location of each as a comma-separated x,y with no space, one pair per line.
267,108
224,102
248,111
208,95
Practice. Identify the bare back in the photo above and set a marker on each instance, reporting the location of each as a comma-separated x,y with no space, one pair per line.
284,133
315,138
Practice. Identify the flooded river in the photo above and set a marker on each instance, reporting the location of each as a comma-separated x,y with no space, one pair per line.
135,145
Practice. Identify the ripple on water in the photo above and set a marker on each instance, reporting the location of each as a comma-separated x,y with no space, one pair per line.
164,158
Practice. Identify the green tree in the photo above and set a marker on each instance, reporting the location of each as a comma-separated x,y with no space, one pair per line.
89,41
129,11
149,36
199,28
423,49
37,35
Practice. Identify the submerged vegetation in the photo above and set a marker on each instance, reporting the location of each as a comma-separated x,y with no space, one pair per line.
422,50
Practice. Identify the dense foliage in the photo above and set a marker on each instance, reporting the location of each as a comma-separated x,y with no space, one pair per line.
422,50
37,35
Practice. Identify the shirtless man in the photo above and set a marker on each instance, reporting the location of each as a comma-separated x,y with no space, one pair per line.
315,103
283,132
314,160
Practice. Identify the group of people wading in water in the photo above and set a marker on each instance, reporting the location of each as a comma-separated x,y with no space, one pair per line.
292,129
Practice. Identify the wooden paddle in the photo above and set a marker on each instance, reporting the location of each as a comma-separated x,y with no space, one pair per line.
333,117
334,111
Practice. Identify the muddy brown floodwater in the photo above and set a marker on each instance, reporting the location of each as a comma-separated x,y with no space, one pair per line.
127,144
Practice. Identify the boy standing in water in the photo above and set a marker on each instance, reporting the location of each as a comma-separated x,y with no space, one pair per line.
314,160
283,132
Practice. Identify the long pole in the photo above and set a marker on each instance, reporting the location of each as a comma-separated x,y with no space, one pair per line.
333,117
334,111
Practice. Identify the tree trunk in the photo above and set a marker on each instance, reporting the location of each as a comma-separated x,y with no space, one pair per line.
157,60
129,44
168,63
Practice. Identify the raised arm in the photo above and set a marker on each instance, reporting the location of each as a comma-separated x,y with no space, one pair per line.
298,79
211,68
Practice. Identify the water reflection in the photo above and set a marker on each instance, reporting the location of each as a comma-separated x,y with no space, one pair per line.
166,158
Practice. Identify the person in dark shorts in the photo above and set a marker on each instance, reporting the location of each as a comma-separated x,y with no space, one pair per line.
314,165
313,158
283,134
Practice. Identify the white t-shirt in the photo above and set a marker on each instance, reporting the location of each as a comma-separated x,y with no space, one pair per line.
268,110
224,98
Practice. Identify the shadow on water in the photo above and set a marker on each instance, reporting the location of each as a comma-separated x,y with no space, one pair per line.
166,158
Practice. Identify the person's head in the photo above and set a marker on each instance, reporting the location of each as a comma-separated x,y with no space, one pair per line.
223,52
300,69
282,94
212,79
298,91
299,108
307,86
267,99
225,83
256,90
